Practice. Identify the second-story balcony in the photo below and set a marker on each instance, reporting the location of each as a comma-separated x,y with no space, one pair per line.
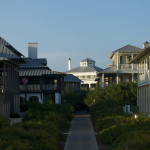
49,87
38,88
127,66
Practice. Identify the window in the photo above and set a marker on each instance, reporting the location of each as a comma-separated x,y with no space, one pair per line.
130,58
120,59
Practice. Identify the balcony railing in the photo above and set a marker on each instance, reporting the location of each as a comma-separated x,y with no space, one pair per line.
29,87
128,66
38,87
49,87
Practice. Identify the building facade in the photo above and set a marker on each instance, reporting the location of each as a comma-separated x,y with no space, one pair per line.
38,83
71,82
9,79
87,73
143,92
120,70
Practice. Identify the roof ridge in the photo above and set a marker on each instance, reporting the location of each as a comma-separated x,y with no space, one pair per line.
125,47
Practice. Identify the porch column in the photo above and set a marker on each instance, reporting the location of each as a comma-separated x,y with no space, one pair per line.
102,80
146,65
132,63
89,85
117,78
57,98
117,61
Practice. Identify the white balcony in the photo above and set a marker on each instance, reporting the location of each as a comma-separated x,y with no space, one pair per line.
127,66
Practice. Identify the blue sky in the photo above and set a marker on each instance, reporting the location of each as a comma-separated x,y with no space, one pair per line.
75,29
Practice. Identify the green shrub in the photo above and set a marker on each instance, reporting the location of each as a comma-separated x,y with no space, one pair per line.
15,144
64,109
14,115
109,135
124,93
135,109
76,99
107,122
40,130
34,139
4,122
136,140
105,108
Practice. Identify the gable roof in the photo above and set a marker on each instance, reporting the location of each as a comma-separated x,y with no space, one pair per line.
127,48
86,69
140,55
71,78
6,45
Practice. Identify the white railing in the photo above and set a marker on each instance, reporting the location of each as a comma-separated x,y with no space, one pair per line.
29,87
37,87
128,66
49,87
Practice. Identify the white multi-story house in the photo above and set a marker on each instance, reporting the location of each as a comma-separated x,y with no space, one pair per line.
120,70
143,62
87,72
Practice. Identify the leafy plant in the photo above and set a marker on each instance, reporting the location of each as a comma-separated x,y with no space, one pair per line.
136,140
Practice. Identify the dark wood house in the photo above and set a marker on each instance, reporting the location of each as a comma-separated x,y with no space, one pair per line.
71,82
38,83
9,78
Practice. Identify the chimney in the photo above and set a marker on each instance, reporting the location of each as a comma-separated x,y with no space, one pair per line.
146,44
32,50
69,63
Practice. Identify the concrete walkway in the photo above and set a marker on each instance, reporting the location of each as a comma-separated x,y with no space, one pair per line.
81,134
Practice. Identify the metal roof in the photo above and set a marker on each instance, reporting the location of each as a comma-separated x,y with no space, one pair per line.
85,69
71,78
127,48
9,46
37,72
87,60
34,63
112,69
140,55
9,56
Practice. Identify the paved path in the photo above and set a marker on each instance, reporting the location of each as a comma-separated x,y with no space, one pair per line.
81,134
